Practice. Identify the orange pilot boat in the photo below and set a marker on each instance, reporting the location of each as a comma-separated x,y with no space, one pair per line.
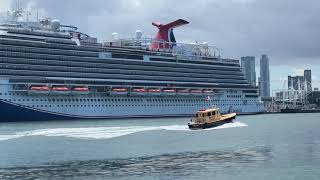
209,118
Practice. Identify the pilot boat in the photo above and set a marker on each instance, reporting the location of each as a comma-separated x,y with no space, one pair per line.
209,118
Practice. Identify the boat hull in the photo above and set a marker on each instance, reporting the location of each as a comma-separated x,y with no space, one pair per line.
211,124
300,110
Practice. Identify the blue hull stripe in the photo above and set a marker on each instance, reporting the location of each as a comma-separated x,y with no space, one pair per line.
11,112
15,112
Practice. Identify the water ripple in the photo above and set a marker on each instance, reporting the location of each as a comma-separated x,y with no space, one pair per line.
179,165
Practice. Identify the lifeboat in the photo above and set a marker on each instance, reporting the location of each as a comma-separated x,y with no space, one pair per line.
119,91
60,90
138,91
80,90
168,91
39,90
208,92
196,92
154,91
183,92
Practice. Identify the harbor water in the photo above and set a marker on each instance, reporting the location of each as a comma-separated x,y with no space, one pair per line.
270,146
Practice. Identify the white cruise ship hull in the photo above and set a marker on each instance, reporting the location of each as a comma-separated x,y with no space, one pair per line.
21,106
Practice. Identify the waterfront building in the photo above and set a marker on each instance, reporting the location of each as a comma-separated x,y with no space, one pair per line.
249,69
264,87
308,79
296,82
301,82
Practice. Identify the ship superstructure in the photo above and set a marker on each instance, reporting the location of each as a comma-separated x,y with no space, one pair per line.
52,71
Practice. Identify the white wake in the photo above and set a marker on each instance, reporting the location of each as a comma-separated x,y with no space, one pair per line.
106,132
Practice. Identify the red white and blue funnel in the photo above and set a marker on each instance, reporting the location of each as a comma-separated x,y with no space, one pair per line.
165,34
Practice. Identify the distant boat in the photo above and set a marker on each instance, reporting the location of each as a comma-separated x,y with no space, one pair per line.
209,118
299,110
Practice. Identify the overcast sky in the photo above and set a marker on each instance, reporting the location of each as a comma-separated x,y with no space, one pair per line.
288,31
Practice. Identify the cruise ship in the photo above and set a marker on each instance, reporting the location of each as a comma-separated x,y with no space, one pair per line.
51,71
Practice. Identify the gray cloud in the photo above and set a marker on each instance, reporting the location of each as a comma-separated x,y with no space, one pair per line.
286,30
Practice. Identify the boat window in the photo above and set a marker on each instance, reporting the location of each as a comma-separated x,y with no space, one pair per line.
209,114
213,113
197,115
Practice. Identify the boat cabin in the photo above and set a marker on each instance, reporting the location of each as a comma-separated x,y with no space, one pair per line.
206,115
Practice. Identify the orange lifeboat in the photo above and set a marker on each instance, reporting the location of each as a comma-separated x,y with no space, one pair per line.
196,92
168,91
208,92
60,90
183,92
138,91
39,89
80,90
154,91
119,91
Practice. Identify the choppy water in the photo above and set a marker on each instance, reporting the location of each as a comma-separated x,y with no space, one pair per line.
281,146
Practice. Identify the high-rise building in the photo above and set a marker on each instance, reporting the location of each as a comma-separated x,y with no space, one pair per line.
301,82
296,82
248,65
308,79
264,76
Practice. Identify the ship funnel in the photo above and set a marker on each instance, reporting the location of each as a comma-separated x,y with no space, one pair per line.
165,34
